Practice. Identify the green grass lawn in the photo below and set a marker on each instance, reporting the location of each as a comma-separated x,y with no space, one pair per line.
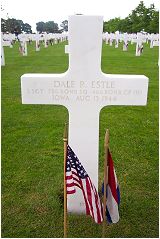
32,150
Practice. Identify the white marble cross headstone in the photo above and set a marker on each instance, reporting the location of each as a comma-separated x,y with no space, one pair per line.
139,44
154,40
125,44
106,37
45,40
116,40
111,39
37,37
2,56
155,43
3,43
23,46
84,90
151,40
6,43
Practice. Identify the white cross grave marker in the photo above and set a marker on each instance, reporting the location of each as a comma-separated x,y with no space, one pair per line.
37,42
45,40
84,90
2,56
3,43
139,45
23,46
111,39
151,40
116,39
155,43
106,37
125,44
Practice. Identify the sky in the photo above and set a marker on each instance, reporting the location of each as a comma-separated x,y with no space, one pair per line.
32,11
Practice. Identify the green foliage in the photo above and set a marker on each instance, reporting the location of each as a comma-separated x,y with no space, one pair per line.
141,19
112,25
13,25
49,27
40,27
154,23
3,25
27,28
64,25
32,150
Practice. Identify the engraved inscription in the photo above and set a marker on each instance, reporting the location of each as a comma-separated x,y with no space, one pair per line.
82,91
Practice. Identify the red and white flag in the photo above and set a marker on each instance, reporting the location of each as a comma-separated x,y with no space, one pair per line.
112,193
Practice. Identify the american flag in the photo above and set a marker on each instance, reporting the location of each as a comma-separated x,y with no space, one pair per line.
76,176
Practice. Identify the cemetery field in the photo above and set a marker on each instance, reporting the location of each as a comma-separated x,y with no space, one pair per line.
32,150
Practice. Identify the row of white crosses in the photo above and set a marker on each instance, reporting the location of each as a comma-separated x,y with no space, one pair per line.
138,38
146,37
56,37
42,37
109,38
7,40
84,90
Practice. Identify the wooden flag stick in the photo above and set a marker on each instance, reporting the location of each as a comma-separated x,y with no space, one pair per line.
65,140
106,147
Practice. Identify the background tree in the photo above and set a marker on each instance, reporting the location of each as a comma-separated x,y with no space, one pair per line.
3,25
112,25
12,25
64,25
125,25
18,26
40,27
154,20
27,28
140,19
51,27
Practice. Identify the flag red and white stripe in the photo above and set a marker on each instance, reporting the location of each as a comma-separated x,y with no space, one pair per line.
113,193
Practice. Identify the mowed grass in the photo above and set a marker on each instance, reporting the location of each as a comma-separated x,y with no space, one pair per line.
32,150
